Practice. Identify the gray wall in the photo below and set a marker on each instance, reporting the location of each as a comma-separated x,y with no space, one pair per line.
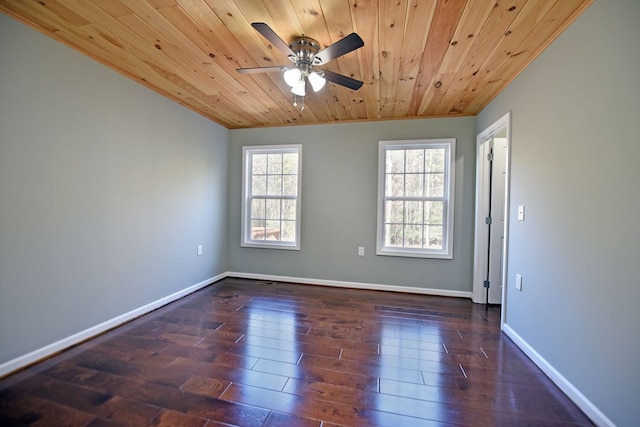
575,153
106,188
339,199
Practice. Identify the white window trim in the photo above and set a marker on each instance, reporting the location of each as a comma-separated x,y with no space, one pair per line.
447,251
245,239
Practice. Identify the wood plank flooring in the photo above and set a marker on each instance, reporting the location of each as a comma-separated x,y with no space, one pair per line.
249,353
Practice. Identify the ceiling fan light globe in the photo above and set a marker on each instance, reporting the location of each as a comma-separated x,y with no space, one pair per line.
292,76
317,81
299,88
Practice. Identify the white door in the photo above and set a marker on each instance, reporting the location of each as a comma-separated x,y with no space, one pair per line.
491,210
495,252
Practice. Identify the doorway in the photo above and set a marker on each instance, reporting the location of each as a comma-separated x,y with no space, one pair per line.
492,178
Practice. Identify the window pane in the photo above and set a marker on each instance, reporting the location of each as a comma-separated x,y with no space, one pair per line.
259,164
434,160
415,161
394,185
434,236
395,161
290,163
413,213
259,185
273,230
289,209
290,185
273,209
288,231
274,185
394,212
393,235
257,209
435,185
413,185
274,163
258,229
413,236
433,212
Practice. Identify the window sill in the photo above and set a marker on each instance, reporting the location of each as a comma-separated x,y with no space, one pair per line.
403,252
271,245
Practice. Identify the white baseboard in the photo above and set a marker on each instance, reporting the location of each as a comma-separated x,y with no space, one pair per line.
354,285
53,348
592,411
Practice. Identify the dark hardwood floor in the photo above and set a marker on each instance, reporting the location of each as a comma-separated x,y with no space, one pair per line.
246,353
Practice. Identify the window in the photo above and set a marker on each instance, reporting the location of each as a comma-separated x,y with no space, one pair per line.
271,196
415,198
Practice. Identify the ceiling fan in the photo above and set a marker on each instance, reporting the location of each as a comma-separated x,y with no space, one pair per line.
306,54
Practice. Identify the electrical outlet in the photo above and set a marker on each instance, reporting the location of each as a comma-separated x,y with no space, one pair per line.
519,282
360,250
199,250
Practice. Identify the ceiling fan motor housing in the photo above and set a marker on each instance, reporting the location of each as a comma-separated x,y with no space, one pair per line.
305,49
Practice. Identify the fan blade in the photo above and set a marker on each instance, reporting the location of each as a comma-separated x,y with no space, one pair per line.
273,38
342,80
339,48
260,70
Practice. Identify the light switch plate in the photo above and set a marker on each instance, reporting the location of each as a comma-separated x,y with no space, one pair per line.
519,282
521,213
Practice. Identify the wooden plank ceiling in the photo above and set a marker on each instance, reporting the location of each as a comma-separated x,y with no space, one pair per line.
422,58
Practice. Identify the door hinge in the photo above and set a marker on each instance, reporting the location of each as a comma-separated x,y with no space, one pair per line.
490,156
487,284
487,220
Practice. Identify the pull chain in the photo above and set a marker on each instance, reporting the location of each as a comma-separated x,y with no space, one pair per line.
295,101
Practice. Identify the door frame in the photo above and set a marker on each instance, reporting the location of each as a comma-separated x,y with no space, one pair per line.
482,202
